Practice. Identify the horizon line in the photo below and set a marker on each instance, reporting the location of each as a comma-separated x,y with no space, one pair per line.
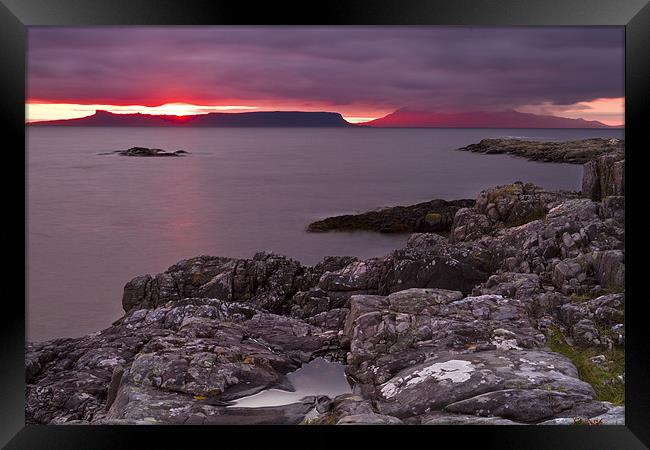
353,123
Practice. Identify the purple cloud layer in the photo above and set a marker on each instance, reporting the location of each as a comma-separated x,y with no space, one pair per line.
434,68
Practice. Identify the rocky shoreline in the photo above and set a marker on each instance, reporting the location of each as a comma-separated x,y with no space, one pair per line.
427,217
572,152
604,166
516,317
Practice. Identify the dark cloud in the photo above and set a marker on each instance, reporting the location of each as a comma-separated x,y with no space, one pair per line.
419,67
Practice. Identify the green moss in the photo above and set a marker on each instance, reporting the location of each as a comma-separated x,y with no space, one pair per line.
433,218
328,420
205,395
606,331
535,214
510,189
604,380
579,298
575,298
197,278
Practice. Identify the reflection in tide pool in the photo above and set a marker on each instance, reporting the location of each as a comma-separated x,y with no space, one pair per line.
319,377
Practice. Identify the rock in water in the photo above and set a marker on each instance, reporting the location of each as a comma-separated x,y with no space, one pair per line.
573,152
427,217
147,152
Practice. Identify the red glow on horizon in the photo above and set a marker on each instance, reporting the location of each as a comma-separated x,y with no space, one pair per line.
606,111
39,110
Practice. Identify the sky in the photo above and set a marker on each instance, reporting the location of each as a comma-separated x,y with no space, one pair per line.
362,72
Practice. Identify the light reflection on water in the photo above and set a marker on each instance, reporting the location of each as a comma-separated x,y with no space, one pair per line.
318,377
94,222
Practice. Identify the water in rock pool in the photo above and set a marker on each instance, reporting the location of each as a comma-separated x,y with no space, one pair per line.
96,221
318,377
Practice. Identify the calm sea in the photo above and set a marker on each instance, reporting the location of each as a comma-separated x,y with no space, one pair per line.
94,222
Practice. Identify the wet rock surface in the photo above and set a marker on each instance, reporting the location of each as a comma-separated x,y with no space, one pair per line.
518,317
179,360
428,217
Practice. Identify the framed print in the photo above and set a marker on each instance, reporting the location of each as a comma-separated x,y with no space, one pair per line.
290,219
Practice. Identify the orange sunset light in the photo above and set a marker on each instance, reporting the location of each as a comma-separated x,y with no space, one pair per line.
36,111
610,111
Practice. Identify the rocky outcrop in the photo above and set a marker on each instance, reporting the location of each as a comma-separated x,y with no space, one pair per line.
603,159
510,205
597,322
266,280
180,362
553,272
576,246
284,286
517,318
573,152
505,207
613,207
147,152
428,217
604,176
419,351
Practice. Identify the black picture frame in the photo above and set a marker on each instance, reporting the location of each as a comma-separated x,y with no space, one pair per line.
16,15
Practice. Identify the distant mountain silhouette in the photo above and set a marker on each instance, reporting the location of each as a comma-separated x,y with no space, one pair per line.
246,119
400,118
485,119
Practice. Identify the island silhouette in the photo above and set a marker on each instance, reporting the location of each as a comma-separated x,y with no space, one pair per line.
402,118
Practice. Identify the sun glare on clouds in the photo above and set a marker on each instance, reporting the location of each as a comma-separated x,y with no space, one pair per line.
610,111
